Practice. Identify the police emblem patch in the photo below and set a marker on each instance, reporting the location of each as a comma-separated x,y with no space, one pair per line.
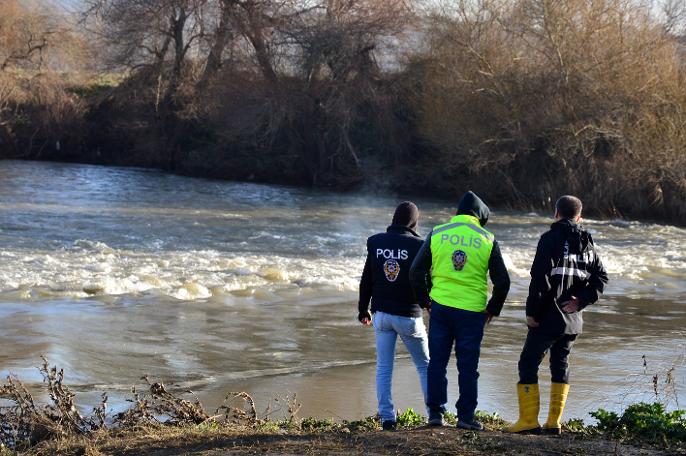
459,260
391,269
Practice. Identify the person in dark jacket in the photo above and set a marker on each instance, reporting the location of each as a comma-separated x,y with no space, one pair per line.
385,280
566,277
450,274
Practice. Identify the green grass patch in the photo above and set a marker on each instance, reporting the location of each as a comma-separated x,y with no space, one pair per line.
96,87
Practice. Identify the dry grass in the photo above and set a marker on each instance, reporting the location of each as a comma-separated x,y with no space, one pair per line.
24,422
419,441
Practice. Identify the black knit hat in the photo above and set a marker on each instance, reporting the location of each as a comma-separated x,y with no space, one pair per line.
406,214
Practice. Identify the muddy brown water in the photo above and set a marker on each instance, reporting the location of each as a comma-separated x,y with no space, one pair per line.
217,286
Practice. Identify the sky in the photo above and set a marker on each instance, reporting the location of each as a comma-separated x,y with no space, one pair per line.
69,5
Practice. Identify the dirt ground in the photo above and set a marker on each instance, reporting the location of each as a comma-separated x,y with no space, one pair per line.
421,441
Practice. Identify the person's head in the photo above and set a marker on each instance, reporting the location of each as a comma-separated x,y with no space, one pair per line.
568,207
406,214
470,204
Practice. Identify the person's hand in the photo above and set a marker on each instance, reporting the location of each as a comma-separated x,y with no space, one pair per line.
427,306
365,318
489,317
571,306
531,322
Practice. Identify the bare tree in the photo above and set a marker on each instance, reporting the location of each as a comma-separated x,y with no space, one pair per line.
544,87
24,35
217,40
150,34
35,42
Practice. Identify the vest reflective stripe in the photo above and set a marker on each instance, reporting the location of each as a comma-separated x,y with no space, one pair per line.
564,271
449,226
460,251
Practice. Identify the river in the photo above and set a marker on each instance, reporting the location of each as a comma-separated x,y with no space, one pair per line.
217,286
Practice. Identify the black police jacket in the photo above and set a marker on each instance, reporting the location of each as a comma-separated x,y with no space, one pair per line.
385,278
566,264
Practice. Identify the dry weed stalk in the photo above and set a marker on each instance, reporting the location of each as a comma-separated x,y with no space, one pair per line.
165,407
287,405
24,422
237,414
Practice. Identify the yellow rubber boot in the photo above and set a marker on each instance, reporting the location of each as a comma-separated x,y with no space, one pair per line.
529,405
558,397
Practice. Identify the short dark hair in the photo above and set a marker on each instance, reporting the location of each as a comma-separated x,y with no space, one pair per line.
568,206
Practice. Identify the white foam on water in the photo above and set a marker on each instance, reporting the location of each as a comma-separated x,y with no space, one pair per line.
91,268
75,231
94,268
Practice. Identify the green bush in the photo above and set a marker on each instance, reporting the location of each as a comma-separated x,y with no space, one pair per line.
450,418
577,426
643,421
371,423
315,425
410,418
489,419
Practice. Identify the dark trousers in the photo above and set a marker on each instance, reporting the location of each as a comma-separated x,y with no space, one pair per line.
464,330
536,346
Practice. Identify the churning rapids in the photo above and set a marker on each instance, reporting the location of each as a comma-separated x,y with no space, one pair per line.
218,286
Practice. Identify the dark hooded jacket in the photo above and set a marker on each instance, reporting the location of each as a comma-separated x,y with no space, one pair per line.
566,264
420,274
385,278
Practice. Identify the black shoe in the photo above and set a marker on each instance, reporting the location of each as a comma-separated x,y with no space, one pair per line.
436,419
389,425
472,425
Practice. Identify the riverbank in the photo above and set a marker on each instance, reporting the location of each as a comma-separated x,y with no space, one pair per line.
417,441
161,421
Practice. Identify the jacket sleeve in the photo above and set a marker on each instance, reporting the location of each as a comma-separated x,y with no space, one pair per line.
365,288
500,279
540,278
420,273
595,284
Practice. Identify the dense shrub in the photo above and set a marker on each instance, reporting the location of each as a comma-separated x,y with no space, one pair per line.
528,99
520,100
647,422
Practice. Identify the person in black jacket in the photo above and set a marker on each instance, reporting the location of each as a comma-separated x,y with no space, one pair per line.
566,277
385,280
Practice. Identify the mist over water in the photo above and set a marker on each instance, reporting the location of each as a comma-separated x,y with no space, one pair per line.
220,286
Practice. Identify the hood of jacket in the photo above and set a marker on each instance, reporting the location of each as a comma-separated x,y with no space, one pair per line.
401,229
576,236
470,204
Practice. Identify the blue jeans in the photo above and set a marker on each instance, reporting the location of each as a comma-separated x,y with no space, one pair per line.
465,330
413,333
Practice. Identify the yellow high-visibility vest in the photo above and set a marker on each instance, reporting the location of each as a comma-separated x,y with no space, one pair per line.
460,251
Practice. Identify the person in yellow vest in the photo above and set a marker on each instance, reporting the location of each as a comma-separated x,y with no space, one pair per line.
566,277
449,276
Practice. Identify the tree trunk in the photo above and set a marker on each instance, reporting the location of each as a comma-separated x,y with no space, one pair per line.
214,58
257,41
178,23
